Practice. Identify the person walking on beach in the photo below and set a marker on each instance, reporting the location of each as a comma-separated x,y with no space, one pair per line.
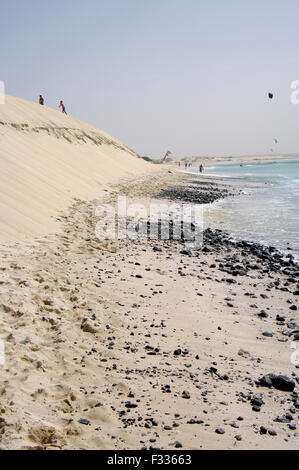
61,105
201,168
41,100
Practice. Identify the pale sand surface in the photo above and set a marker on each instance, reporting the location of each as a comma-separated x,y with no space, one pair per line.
78,324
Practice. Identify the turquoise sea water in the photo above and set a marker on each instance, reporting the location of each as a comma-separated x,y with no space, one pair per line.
268,213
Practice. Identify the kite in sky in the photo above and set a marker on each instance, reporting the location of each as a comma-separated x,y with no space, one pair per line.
270,95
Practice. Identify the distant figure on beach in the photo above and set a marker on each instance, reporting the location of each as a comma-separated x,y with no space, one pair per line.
61,105
201,168
41,100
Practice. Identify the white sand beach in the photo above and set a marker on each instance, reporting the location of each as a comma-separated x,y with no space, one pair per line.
135,344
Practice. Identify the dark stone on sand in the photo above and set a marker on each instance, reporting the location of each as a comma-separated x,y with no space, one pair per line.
266,380
220,431
83,421
256,408
267,333
280,382
129,404
178,445
282,420
195,421
186,252
177,352
280,318
224,377
262,314
263,430
148,425
255,401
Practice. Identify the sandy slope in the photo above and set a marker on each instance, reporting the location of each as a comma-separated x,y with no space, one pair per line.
47,159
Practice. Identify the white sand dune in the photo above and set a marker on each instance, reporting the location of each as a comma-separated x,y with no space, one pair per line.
47,159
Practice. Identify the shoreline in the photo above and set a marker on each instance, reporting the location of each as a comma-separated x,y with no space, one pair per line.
146,337
236,160
248,186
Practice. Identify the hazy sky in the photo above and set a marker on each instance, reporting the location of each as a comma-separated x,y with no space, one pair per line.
191,76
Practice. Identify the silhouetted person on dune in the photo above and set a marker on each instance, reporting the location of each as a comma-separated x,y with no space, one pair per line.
61,105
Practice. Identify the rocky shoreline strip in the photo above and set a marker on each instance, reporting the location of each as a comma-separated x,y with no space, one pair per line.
198,191
148,346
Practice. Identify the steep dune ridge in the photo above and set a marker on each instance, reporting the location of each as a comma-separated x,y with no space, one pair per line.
47,159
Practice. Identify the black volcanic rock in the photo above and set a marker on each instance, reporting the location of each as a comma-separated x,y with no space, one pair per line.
280,382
